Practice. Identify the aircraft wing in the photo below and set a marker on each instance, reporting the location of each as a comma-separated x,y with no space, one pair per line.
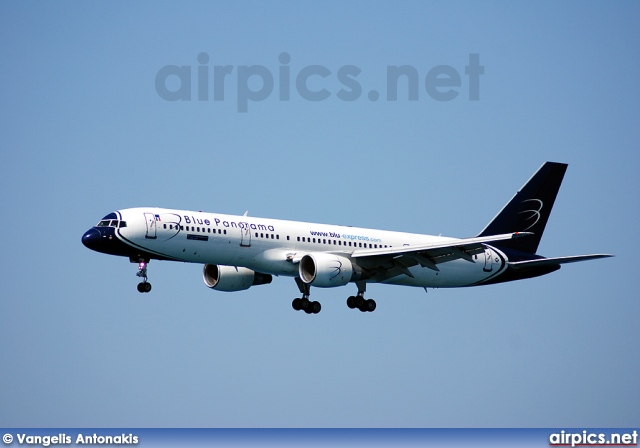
387,260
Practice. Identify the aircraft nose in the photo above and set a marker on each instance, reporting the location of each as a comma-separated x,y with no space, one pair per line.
91,239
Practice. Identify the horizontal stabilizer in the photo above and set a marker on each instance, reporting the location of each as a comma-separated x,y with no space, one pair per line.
554,261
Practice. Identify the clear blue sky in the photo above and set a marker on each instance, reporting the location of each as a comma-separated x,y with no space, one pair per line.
83,132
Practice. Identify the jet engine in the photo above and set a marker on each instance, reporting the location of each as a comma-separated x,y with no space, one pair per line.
232,278
325,270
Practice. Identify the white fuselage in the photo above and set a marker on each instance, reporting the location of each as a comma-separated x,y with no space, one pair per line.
273,246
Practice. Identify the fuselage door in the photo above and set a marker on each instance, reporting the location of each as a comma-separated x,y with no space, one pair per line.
488,260
150,220
245,235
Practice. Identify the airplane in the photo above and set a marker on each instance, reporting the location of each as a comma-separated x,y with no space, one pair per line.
242,251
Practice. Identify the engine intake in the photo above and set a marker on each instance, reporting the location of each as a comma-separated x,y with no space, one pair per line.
232,278
325,270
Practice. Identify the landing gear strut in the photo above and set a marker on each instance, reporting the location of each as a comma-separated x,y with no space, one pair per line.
358,301
144,285
303,303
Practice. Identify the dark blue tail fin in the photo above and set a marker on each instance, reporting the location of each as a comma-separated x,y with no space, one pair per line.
529,209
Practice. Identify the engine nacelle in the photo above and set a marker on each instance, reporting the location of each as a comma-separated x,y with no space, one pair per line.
325,270
232,278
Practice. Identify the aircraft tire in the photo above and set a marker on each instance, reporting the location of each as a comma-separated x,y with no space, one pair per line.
351,302
367,306
297,304
370,305
308,310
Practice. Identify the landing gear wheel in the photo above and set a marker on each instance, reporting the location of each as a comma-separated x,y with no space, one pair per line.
367,306
370,305
144,287
351,302
308,310
297,304
315,307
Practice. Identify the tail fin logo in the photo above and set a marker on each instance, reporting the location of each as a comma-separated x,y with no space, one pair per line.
533,213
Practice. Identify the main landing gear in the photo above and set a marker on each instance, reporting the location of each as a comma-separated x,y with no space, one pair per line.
358,301
303,303
310,307
144,285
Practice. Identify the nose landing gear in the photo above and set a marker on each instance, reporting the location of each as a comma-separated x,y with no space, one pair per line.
144,285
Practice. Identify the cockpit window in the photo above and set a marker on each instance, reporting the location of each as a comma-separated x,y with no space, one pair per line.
112,223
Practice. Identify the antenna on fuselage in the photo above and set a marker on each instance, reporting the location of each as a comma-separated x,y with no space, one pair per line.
246,213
